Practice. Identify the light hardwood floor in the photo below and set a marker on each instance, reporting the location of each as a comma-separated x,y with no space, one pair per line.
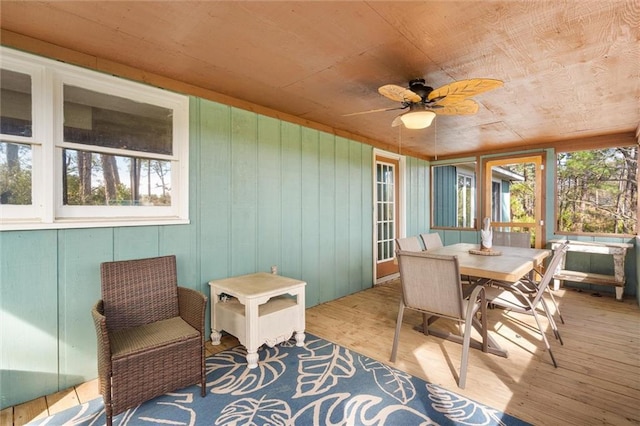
597,382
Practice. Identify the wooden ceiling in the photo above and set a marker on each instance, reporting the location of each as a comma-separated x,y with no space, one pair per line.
571,69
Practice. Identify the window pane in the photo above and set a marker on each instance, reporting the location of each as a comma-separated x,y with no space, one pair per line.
15,103
15,174
100,179
99,119
598,191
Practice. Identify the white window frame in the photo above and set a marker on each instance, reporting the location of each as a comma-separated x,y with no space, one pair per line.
47,209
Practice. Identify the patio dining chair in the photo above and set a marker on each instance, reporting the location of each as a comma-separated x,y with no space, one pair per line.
431,241
150,333
408,244
431,285
524,298
512,239
527,284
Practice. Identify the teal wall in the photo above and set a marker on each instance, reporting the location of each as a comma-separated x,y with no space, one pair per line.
417,196
445,187
262,192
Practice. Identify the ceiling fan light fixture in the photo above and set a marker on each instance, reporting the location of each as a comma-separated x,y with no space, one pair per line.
418,118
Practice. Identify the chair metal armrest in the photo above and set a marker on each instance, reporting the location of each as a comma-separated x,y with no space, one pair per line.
192,305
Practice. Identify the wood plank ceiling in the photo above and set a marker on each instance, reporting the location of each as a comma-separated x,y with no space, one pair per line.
571,69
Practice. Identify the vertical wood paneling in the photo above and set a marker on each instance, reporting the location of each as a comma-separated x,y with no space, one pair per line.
445,195
423,189
29,311
269,242
181,241
366,166
410,194
342,195
80,252
243,192
471,237
135,242
355,219
310,212
327,191
214,205
417,203
451,237
291,201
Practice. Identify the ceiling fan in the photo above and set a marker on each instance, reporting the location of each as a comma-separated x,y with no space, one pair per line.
424,102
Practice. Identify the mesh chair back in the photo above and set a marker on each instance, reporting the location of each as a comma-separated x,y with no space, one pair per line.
431,241
138,292
558,255
512,239
431,283
408,244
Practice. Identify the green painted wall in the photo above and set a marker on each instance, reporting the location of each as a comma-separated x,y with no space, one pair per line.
417,196
445,181
263,192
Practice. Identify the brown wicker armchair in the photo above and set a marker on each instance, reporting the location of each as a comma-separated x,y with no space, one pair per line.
150,333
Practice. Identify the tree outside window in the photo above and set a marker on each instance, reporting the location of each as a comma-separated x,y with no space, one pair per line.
597,191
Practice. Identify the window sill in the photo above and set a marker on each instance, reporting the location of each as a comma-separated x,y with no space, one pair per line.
18,225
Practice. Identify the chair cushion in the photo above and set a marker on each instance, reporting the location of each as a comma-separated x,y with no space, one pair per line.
129,341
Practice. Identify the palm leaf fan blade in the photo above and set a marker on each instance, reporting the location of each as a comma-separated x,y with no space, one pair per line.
465,88
464,107
398,93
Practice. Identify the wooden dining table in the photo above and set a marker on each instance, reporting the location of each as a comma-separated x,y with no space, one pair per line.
510,265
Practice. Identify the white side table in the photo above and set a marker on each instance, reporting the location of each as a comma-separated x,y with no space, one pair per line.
258,309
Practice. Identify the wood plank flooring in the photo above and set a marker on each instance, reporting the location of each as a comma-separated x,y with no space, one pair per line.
597,382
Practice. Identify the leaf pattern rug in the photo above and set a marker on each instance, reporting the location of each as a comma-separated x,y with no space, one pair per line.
319,384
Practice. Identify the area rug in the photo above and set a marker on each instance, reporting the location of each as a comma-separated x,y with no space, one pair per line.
319,384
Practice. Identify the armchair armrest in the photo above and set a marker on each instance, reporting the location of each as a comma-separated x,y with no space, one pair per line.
104,348
192,305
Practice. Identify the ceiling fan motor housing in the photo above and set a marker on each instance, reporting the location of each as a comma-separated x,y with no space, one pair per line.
418,87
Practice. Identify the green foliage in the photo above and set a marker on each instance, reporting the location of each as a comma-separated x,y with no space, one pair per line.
597,191
15,186
15,174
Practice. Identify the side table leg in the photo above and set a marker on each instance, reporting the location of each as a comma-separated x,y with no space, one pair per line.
300,338
252,358
215,337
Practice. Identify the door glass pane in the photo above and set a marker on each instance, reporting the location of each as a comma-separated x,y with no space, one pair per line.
386,211
15,103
